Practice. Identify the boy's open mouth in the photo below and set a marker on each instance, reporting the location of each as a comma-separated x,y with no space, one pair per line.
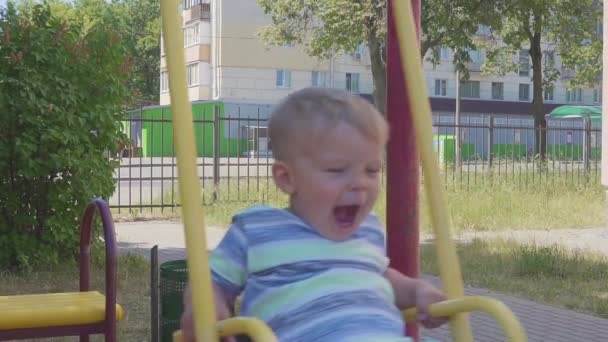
345,215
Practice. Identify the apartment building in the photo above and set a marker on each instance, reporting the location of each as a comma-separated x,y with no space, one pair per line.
227,61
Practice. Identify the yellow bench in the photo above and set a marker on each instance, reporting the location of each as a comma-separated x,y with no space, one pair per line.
57,309
80,313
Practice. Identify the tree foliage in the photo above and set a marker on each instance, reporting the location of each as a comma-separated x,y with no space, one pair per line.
564,28
138,22
62,89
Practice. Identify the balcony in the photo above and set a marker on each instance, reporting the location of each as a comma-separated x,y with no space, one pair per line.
200,11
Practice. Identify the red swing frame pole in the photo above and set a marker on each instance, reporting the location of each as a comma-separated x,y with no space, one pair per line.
403,165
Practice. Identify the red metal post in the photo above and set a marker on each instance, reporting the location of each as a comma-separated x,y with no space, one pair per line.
403,175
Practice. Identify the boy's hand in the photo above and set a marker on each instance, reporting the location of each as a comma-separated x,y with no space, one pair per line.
426,295
187,321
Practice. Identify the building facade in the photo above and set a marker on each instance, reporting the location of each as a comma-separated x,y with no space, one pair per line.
227,61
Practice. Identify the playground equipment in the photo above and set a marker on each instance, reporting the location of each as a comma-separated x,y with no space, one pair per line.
206,328
80,313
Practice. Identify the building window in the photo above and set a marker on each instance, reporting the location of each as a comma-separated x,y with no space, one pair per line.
483,30
164,82
358,54
469,89
283,78
191,35
352,82
524,63
476,56
319,79
192,74
574,95
597,95
524,92
498,91
444,54
549,58
548,93
441,87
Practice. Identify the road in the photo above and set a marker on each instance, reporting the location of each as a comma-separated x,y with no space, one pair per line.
148,180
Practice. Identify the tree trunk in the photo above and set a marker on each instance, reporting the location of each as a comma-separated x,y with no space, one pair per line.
537,81
377,53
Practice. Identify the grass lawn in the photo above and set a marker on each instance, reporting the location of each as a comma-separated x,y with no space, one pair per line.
546,274
553,202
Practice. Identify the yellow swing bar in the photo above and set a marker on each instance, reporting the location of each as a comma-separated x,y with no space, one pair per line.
205,325
189,185
449,268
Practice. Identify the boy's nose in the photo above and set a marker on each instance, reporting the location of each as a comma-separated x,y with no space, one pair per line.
358,183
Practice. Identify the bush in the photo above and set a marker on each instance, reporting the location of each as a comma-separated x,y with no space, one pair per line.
62,86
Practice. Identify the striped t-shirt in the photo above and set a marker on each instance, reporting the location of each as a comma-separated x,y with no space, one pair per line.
304,286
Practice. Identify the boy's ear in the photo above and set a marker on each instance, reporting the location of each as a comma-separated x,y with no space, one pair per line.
283,178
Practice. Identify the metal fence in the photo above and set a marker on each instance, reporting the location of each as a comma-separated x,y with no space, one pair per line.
234,156
491,153
233,159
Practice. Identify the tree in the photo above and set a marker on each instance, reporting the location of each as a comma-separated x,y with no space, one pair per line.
138,22
324,27
62,91
143,37
571,28
453,24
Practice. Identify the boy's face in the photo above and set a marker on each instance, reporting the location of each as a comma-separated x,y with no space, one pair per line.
333,186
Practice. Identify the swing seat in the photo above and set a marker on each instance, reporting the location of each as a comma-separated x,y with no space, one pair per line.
56,309
81,313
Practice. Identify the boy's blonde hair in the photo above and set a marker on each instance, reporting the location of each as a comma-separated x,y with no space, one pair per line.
310,112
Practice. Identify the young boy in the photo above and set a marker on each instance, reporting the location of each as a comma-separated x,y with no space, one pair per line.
317,271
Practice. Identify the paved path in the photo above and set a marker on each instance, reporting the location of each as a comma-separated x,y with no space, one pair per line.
542,322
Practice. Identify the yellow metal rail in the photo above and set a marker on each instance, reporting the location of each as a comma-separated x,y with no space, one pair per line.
499,311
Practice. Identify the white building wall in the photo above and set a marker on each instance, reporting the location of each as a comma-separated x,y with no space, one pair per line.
260,85
242,68
511,82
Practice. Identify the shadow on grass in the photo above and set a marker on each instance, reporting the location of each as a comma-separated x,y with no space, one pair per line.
545,274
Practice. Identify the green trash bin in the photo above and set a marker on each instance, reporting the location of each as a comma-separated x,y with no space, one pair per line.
173,281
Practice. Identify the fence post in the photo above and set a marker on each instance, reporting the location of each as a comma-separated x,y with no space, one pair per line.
154,295
216,151
587,144
490,141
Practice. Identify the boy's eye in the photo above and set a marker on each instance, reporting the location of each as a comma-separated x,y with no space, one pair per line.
373,171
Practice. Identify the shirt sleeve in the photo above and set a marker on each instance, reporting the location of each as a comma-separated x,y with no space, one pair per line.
229,261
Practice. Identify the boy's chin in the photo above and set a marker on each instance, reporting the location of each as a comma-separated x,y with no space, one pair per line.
338,233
